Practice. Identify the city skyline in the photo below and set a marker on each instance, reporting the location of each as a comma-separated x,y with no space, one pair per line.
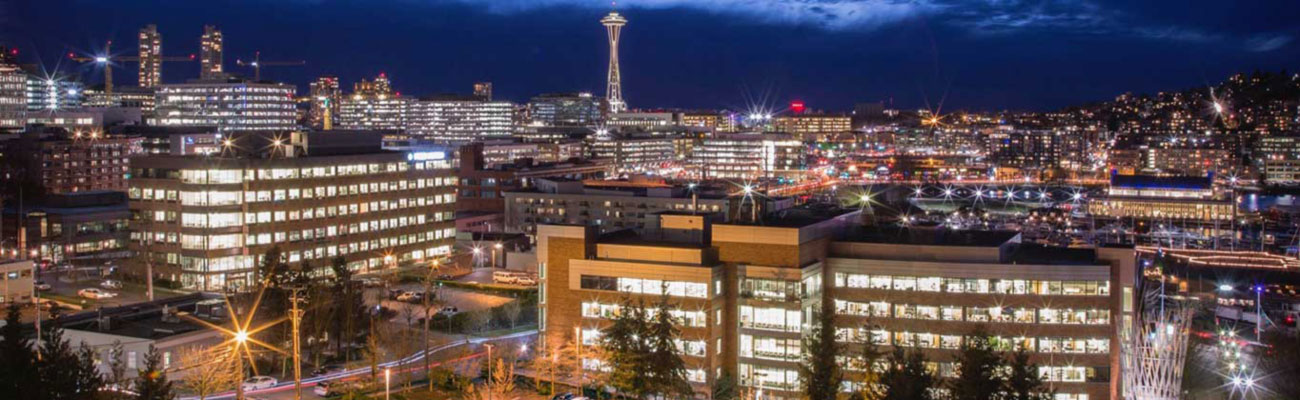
932,57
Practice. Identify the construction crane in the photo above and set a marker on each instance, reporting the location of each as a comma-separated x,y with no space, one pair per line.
257,65
108,60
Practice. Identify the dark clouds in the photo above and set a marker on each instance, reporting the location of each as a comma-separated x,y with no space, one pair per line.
692,53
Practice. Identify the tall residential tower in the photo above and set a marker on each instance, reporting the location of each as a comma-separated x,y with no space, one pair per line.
614,90
210,50
150,56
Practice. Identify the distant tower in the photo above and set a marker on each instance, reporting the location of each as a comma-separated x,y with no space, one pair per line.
483,90
614,91
325,95
210,49
150,56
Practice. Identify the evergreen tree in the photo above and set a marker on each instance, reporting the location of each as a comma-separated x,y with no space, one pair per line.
907,378
724,388
152,383
1023,381
17,361
869,380
665,370
820,374
978,364
66,374
625,351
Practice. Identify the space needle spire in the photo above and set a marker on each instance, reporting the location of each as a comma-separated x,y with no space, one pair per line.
614,89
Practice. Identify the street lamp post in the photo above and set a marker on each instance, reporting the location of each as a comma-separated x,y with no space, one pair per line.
388,375
240,338
489,365
495,248
577,337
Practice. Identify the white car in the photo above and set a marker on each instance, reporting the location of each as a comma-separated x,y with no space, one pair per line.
93,293
410,296
110,284
259,382
42,286
526,281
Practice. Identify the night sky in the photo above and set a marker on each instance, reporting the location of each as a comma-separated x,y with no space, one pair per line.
977,55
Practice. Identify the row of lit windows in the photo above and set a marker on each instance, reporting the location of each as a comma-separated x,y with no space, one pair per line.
1056,345
692,319
971,285
645,286
1021,315
217,198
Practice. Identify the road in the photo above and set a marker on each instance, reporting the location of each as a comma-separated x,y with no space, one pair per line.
284,390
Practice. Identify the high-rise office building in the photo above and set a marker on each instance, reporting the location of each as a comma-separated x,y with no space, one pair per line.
228,105
206,221
459,119
374,87
483,90
210,49
53,94
13,96
150,56
325,97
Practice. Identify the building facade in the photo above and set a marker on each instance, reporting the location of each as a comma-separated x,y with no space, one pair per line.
457,119
205,222
68,162
746,296
748,156
373,112
611,207
228,105
564,109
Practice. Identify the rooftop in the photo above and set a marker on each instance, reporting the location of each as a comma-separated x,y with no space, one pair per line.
929,236
1161,182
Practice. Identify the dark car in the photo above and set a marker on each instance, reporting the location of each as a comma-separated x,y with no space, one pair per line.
563,396
328,369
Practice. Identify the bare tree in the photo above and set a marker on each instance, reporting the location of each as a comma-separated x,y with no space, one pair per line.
512,311
499,383
207,371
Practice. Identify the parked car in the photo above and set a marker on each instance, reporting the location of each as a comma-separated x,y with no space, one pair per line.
526,281
410,296
110,284
333,388
42,286
449,311
93,293
328,369
444,277
259,382
371,281
563,396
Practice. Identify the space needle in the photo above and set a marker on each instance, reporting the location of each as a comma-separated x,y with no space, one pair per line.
614,90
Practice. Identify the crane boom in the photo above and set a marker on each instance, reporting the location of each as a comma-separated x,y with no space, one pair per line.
257,64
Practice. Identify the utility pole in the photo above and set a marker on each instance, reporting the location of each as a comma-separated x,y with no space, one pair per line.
295,314
428,292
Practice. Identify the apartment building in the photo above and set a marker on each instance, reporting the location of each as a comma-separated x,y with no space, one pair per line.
746,294
610,205
205,221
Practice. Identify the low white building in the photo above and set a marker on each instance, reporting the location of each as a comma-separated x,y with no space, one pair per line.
18,281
